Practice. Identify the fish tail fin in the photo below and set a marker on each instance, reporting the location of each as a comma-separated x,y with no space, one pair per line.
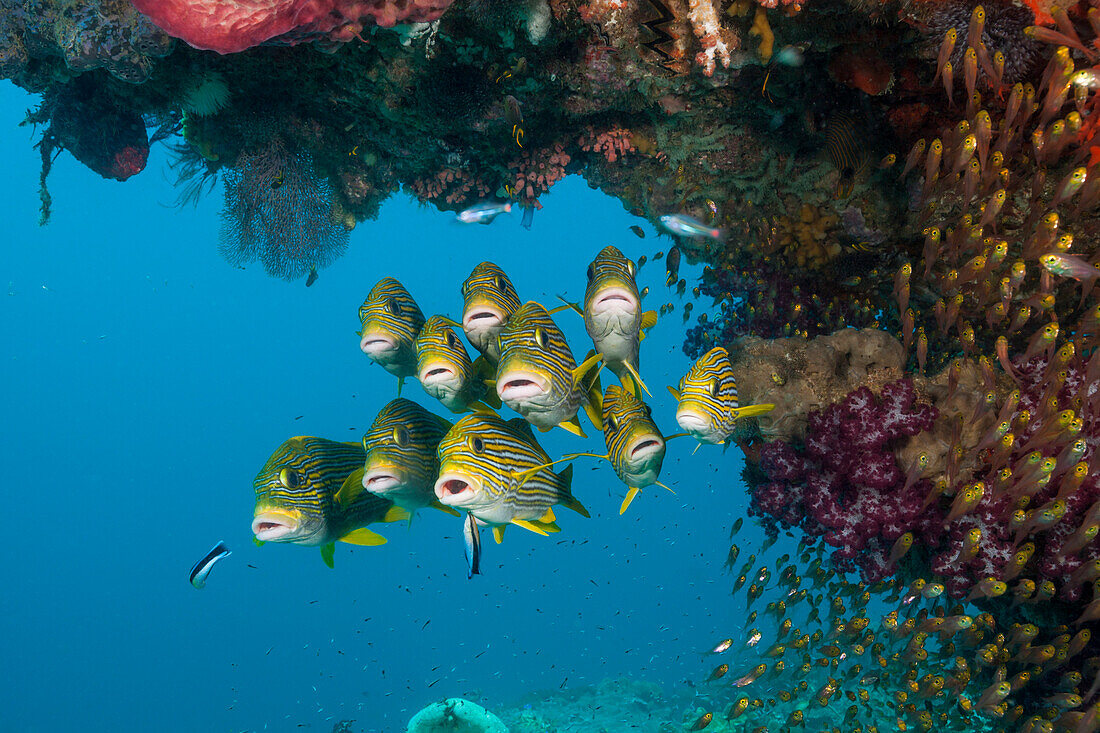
351,488
753,410
566,498
632,492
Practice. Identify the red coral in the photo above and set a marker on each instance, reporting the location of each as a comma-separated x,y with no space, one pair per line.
846,486
230,26
613,143
538,170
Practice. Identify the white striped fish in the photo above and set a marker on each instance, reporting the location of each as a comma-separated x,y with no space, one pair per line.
401,464
538,377
613,315
707,407
635,446
389,321
488,300
497,471
296,497
446,372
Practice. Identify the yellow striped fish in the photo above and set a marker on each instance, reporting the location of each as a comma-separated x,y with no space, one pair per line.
446,372
296,497
613,315
707,399
538,377
498,473
842,142
489,300
389,320
401,464
635,446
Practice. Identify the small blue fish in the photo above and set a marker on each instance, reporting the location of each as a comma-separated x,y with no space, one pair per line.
202,567
472,535
484,213
687,226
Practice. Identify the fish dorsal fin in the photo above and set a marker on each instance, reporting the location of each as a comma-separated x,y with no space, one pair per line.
649,320
498,532
752,410
327,552
675,393
537,526
630,494
364,537
590,361
573,425
522,427
436,504
396,514
637,381
351,488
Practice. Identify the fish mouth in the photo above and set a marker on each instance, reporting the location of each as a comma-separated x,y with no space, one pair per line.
375,344
692,421
275,526
645,447
480,318
380,481
454,489
520,386
437,374
616,299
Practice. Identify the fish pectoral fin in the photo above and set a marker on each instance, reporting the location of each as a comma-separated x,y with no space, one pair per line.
586,366
630,494
364,537
396,514
753,410
649,320
573,425
436,504
351,488
664,487
537,526
637,379
675,393
327,552
549,516
498,532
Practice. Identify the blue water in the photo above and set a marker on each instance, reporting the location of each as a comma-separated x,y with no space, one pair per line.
145,383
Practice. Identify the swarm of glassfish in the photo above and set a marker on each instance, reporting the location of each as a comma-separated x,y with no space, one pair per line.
819,652
490,470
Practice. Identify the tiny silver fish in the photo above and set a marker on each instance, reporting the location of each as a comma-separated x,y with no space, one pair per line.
687,226
203,567
484,213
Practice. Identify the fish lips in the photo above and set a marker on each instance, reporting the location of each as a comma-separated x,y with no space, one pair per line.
456,489
615,300
692,421
519,386
276,526
479,318
377,345
645,447
438,374
381,480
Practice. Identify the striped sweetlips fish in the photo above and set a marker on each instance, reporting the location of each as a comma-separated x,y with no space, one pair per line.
496,471
488,300
613,315
635,446
401,464
707,407
296,497
389,322
446,372
538,377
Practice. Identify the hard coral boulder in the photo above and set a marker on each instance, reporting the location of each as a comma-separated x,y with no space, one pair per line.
455,715
230,26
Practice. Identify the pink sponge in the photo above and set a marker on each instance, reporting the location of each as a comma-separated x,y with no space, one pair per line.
230,26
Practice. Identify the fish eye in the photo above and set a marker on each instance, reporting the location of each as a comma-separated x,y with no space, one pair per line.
392,306
591,271
290,478
401,436
499,281
713,387
477,444
541,338
452,340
